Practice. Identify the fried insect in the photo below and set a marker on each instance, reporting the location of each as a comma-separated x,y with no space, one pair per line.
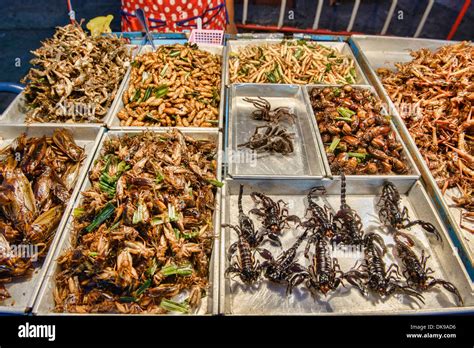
37,177
434,95
246,227
273,139
357,135
291,62
372,275
275,215
349,229
75,77
284,267
143,233
247,267
320,219
177,85
324,274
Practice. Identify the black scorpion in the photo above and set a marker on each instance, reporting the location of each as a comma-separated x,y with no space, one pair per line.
284,267
246,228
391,215
416,273
372,274
324,273
275,217
349,224
246,267
320,219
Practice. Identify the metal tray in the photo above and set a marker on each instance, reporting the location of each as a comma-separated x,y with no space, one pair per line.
305,161
413,173
270,299
44,304
23,291
16,111
113,121
234,46
373,53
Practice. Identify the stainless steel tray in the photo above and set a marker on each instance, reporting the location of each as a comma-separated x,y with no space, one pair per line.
305,161
233,46
23,291
375,52
16,111
44,304
413,173
113,121
270,299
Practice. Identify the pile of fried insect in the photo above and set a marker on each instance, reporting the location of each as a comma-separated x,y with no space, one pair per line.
272,137
412,277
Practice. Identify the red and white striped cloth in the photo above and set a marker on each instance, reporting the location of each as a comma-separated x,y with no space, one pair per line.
174,15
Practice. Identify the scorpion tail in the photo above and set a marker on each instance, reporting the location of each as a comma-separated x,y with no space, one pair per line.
241,192
301,238
343,190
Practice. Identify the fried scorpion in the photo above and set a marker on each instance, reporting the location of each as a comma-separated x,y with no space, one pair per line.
391,215
321,219
348,222
372,275
275,217
324,274
283,268
416,273
246,267
246,227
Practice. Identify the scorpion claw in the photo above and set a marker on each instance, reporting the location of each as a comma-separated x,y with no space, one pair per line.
353,278
266,254
427,226
430,228
275,239
449,287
